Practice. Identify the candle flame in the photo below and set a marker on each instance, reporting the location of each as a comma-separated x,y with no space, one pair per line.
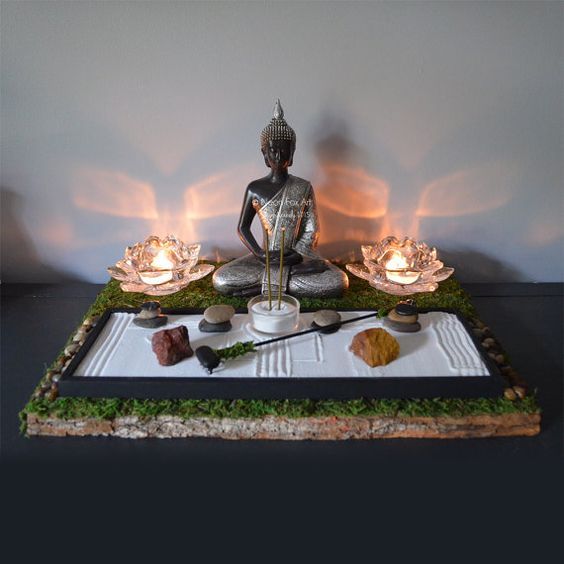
397,270
162,260
397,262
162,272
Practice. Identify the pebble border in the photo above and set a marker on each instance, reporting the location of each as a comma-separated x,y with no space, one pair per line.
516,387
48,387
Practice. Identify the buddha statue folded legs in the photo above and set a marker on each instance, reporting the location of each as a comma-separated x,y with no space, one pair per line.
244,277
284,204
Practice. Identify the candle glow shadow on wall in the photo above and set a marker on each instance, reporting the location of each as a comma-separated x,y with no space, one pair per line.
200,209
351,205
354,206
467,192
358,208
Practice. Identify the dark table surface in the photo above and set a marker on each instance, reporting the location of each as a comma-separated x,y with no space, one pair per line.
36,320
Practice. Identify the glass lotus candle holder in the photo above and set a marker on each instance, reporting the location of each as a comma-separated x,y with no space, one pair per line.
158,267
401,267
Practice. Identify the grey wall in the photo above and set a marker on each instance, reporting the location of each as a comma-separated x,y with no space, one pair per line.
442,121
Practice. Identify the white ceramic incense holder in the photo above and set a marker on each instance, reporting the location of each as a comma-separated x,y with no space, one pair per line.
268,318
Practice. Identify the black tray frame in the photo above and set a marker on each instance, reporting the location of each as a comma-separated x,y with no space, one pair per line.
218,387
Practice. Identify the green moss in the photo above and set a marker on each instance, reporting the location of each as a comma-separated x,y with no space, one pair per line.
360,295
201,294
72,408
236,350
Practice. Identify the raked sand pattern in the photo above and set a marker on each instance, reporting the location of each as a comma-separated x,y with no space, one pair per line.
441,348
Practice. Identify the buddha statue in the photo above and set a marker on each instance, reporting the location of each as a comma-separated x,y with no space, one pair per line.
283,203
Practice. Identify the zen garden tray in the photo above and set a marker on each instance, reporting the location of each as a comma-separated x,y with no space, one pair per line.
443,359
452,379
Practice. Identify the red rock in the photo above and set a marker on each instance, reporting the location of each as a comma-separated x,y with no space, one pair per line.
171,345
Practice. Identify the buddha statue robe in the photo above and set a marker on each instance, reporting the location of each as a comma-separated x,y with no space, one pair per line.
292,208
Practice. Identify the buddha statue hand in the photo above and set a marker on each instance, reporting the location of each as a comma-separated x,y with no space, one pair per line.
291,257
247,292
309,267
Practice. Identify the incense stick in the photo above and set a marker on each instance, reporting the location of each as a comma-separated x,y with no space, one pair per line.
239,349
316,329
281,268
267,250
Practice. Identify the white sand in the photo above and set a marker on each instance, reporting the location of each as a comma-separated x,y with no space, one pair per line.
441,348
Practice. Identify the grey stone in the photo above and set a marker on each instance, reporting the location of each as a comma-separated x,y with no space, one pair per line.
219,313
402,327
497,357
395,316
327,321
152,322
207,327
149,310
327,330
325,317
208,358
71,349
79,335
488,342
403,308
520,391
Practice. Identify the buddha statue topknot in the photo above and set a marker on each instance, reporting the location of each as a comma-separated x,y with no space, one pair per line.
282,202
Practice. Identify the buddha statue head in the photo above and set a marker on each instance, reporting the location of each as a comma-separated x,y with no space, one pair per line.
278,141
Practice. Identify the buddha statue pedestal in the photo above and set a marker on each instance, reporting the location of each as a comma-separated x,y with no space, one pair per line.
283,203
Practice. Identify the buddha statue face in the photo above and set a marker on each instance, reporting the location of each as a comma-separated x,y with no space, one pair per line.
278,154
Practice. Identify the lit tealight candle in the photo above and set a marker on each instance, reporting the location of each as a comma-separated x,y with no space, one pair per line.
159,267
397,270
163,269
401,267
